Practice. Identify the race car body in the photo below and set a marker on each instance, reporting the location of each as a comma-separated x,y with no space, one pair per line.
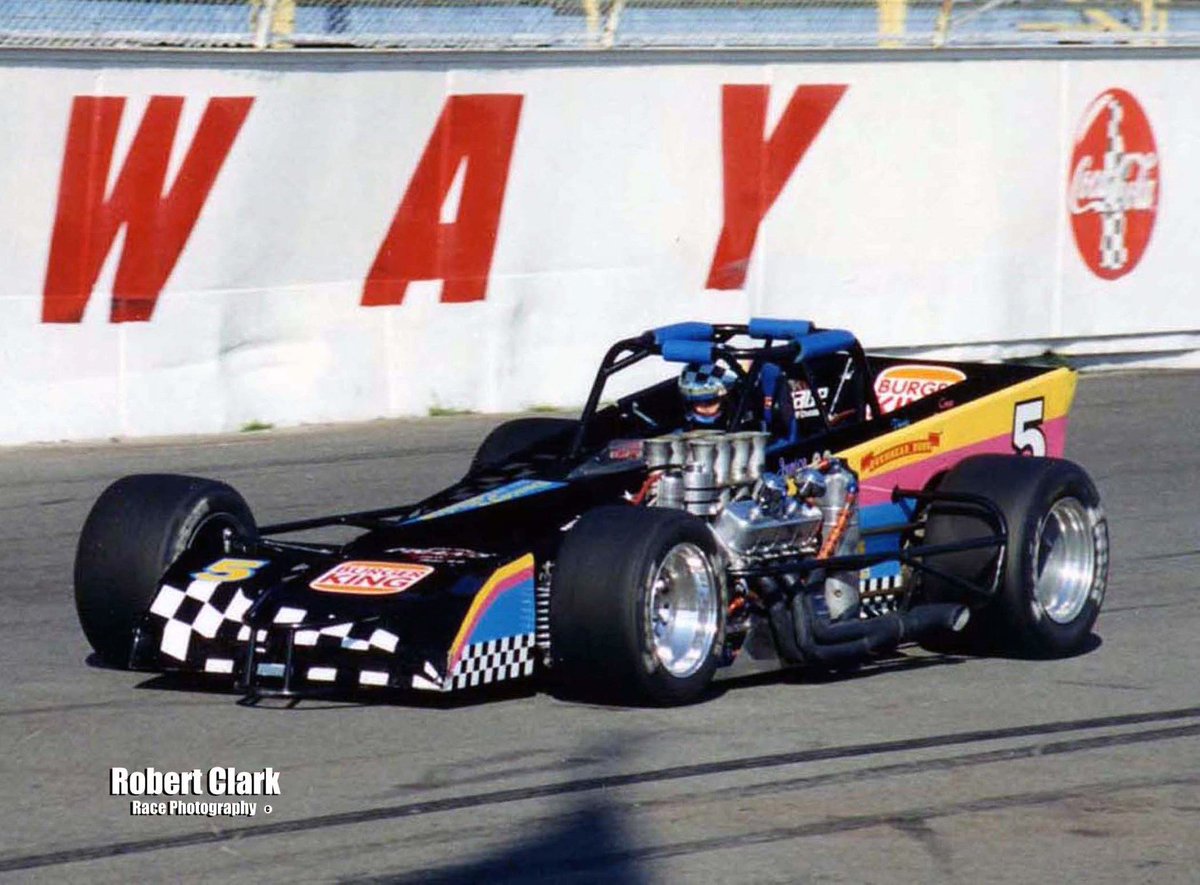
845,504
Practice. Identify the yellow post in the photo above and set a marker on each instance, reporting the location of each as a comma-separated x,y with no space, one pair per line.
892,14
283,22
591,9
272,22
941,27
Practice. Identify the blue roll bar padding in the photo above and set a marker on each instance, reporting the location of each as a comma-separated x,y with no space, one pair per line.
826,342
683,332
678,351
764,327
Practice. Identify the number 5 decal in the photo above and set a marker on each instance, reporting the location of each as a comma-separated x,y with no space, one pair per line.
230,570
1027,436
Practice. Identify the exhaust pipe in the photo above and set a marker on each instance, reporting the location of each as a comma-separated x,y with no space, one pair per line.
802,637
915,624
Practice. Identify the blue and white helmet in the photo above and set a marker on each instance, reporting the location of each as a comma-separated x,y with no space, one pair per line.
704,388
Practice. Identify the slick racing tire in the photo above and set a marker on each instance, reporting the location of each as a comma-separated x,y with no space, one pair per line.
637,606
519,435
138,527
1054,569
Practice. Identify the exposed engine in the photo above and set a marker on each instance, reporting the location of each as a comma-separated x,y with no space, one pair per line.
766,521
760,516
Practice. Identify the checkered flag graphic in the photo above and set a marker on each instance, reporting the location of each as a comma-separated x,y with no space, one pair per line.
1114,254
208,608
879,595
485,662
351,636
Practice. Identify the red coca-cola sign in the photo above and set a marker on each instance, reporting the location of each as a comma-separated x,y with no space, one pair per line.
1112,195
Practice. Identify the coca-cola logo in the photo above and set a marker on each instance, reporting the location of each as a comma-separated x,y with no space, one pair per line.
1112,195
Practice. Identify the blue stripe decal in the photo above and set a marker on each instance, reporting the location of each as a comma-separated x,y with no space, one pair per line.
509,492
512,614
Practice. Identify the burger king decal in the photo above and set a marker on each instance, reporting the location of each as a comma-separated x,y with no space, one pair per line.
371,578
1112,194
898,386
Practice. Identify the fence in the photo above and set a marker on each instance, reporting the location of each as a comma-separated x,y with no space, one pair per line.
601,24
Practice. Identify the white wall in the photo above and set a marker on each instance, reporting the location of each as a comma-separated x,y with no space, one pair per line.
930,211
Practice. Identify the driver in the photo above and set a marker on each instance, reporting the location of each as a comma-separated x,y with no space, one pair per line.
706,389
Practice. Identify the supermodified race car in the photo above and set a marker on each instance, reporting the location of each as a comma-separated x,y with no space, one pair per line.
843,504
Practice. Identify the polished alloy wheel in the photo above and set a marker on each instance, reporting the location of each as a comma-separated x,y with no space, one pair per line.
1066,561
683,610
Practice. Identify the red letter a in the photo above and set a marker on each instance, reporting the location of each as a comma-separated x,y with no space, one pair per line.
756,170
158,225
478,130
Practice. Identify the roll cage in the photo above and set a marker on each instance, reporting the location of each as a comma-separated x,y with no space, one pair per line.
788,344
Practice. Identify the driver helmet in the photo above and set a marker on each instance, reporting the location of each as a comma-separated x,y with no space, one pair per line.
705,387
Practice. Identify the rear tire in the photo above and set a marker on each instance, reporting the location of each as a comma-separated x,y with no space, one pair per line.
1055,568
135,530
520,435
637,606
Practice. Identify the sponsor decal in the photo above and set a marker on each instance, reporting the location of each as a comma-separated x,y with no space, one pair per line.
1112,194
898,386
804,405
440,555
509,492
625,450
371,578
874,460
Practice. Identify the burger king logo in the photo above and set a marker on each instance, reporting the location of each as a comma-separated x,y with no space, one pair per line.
371,578
1112,195
898,386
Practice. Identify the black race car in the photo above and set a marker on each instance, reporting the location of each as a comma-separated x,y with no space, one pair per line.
843,504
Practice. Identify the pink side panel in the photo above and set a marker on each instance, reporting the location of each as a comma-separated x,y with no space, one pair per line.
878,489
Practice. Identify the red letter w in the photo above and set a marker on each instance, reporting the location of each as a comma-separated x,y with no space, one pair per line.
756,169
158,224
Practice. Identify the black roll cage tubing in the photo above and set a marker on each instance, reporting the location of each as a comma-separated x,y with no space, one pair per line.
616,359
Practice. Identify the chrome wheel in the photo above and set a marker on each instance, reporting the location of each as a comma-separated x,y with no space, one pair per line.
1065,561
682,610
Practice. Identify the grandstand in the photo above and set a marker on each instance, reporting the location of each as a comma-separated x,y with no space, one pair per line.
599,24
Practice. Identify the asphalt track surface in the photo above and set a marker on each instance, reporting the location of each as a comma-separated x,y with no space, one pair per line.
921,769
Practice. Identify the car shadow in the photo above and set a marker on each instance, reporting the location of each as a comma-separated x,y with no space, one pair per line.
334,699
1088,646
897,661
341,699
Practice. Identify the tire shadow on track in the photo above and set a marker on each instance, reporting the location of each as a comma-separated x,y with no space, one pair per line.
894,663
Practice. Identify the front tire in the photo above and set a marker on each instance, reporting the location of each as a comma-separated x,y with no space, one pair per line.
637,606
1055,568
135,530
